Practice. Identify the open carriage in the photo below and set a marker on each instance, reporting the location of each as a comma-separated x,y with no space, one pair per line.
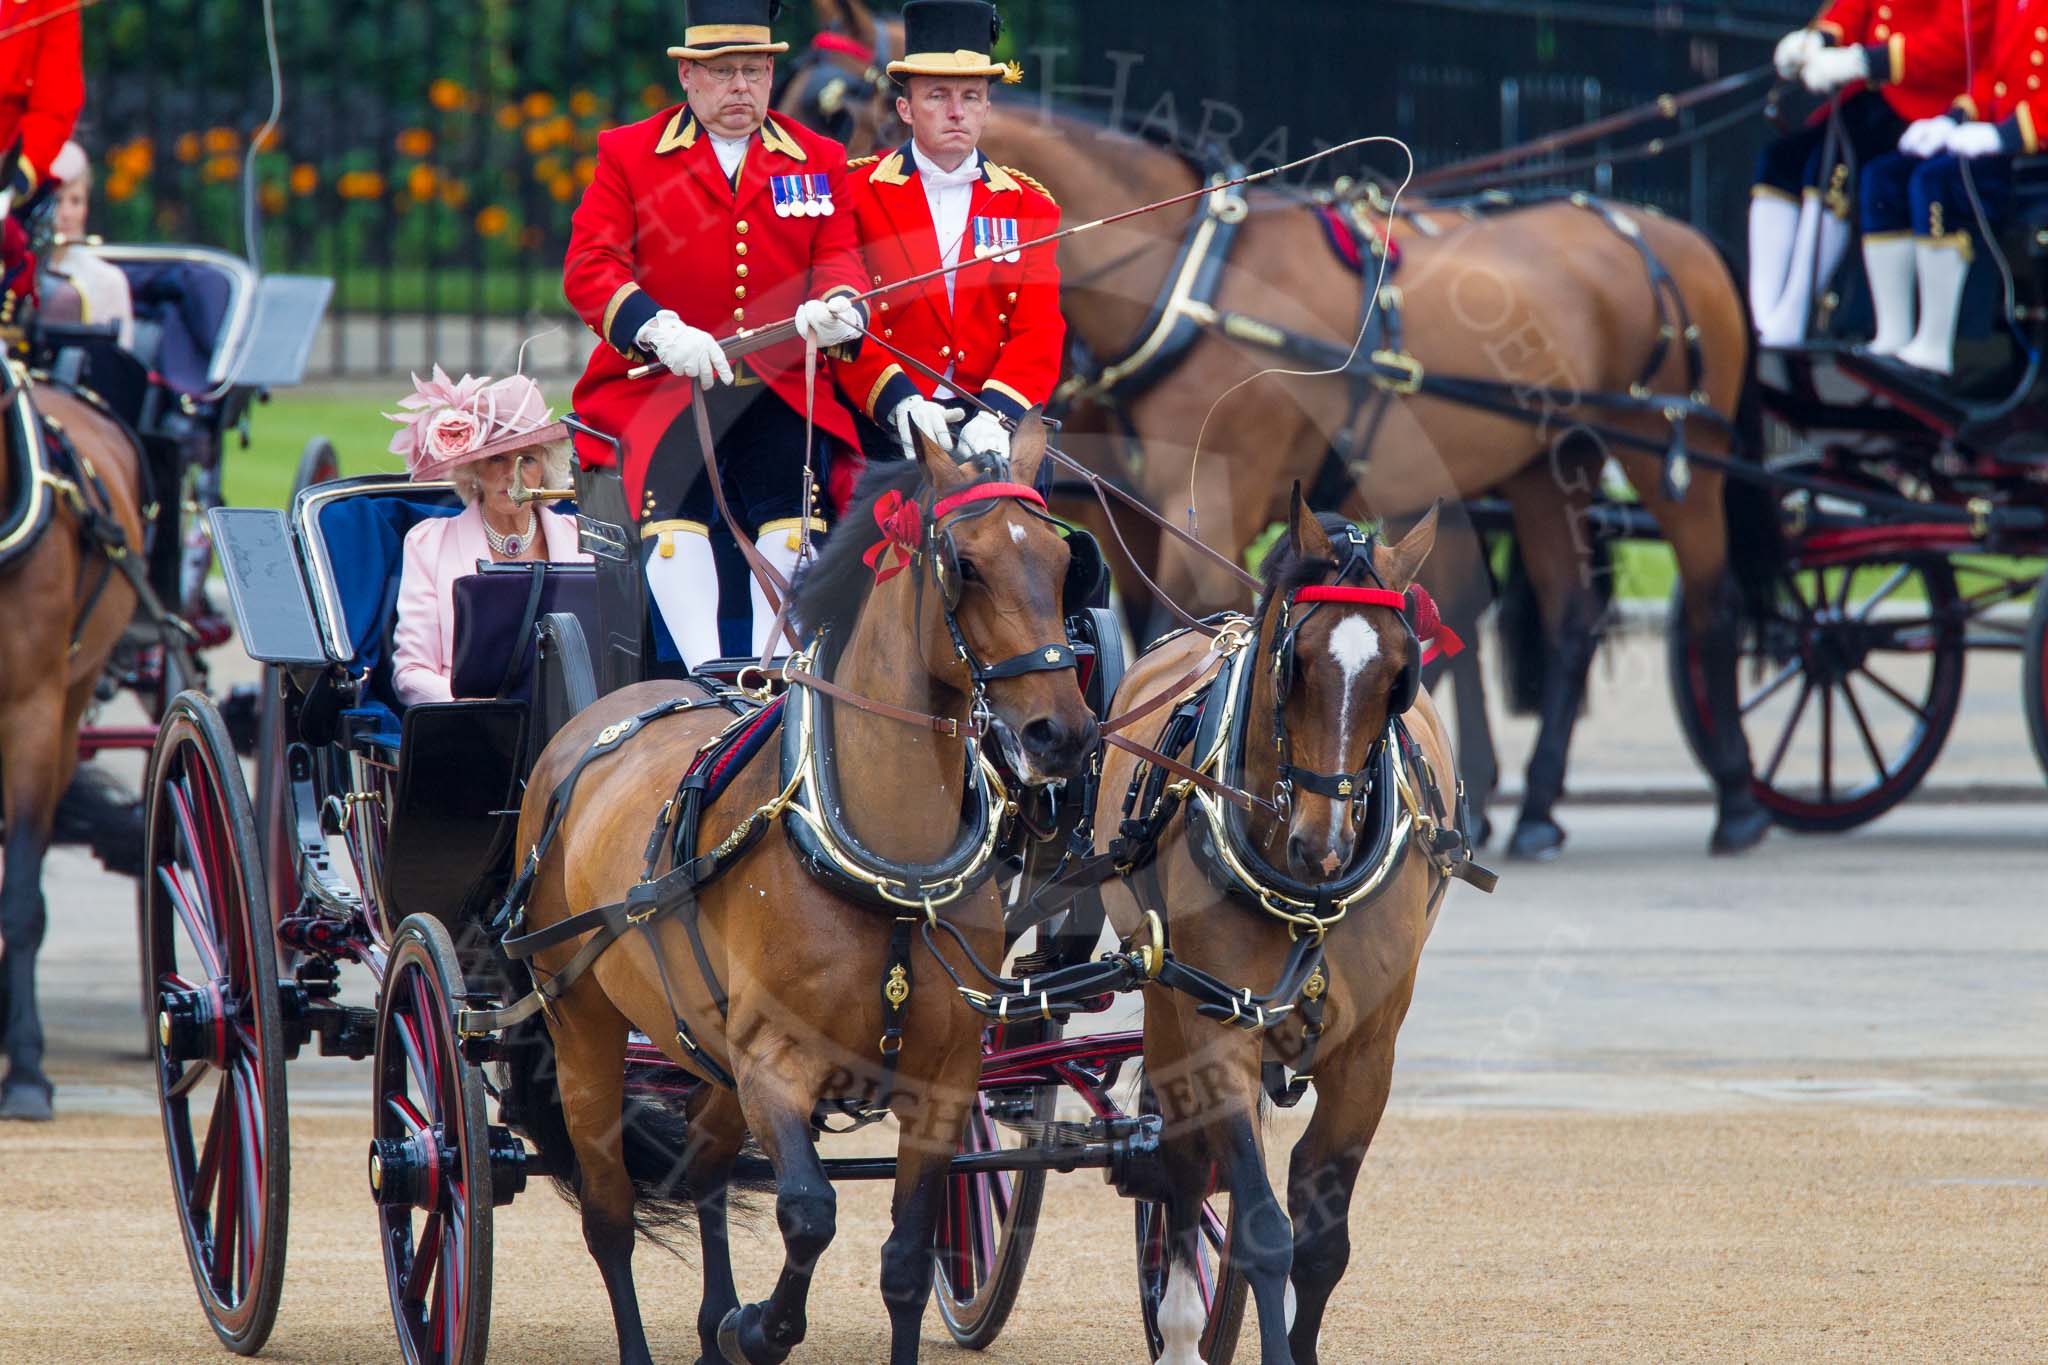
383,837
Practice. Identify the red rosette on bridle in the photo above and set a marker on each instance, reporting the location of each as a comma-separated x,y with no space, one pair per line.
902,525
1439,639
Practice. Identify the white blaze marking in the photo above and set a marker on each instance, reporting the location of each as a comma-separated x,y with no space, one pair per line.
1180,1318
1016,534
1354,644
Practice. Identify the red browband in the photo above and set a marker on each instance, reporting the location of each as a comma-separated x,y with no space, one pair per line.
1440,641
840,43
985,492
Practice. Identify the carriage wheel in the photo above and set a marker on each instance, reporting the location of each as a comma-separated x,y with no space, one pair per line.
430,1155
318,463
219,1036
1222,1286
2034,674
988,1222
1847,693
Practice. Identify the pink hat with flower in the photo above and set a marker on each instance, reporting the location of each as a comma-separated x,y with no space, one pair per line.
445,424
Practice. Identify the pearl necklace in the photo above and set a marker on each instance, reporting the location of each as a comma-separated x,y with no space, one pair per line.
512,545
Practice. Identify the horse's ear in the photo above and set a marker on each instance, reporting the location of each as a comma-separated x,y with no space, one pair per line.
944,473
859,17
826,14
1311,541
1399,564
1027,447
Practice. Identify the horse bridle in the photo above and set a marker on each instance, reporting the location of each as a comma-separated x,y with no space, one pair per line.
945,562
1352,788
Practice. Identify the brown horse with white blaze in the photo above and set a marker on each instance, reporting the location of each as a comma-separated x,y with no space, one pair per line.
1554,303
67,607
1321,696
805,970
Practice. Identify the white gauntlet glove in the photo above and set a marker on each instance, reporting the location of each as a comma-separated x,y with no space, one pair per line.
926,416
1971,140
1793,50
984,434
1928,137
1834,67
686,351
832,322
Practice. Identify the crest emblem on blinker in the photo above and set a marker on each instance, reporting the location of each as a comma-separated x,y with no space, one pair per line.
1344,787
802,196
997,237
1052,656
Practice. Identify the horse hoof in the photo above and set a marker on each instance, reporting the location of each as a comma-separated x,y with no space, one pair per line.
742,1342
27,1101
1739,831
1536,841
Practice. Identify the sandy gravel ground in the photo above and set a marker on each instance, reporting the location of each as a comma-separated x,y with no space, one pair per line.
1836,1234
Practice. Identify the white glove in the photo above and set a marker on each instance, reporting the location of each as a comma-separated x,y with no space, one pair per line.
984,434
925,416
832,322
1970,140
1927,137
1834,67
1793,50
686,351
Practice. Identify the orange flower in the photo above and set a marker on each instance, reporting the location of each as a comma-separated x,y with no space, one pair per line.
563,188
537,139
304,179
135,158
508,116
266,139
415,142
221,140
360,185
273,199
421,183
539,104
187,146
120,185
547,168
583,104
492,221
454,193
220,168
445,94
586,169
654,96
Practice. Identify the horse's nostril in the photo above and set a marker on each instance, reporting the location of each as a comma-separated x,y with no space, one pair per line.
1044,735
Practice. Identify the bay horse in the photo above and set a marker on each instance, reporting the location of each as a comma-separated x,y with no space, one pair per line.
67,608
777,992
1553,303
1315,707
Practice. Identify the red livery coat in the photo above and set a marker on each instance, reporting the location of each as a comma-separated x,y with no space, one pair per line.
1002,333
1919,50
2008,90
42,79
661,227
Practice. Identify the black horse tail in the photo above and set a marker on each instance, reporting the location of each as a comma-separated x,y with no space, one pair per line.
1524,647
652,1126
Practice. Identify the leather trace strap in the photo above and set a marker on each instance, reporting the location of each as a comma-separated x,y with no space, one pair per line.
948,726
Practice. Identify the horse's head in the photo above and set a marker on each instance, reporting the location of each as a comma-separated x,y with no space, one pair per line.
838,84
1340,659
992,620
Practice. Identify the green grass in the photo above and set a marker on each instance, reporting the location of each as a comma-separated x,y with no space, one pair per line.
498,291
261,476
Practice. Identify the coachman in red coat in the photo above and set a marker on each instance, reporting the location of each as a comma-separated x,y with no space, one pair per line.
991,328
702,222
42,88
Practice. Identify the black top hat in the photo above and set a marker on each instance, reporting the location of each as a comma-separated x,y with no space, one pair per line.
725,28
950,38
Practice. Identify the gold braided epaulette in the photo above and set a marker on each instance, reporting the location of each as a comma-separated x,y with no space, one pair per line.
861,161
1034,184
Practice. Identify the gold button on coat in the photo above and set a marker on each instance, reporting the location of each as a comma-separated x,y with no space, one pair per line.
739,291
739,315
740,247
740,227
741,271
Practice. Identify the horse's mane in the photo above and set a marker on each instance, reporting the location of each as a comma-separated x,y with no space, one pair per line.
1287,568
830,589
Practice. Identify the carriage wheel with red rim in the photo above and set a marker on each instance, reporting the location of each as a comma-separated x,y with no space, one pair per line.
1222,1286
1847,693
430,1159
2034,674
218,1041
988,1221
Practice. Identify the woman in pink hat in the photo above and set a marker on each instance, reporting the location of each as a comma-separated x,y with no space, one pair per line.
484,438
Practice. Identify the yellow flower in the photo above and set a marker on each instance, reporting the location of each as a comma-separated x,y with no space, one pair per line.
420,184
304,179
220,168
539,104
583,104
221,140
415,142
187,146
360,185
492,221
445,94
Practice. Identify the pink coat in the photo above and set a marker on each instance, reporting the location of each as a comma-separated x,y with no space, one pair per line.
438,552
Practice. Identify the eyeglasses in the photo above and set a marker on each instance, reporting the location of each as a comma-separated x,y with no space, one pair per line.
729,73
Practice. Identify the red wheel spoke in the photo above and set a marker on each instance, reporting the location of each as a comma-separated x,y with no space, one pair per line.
416,1063
1918,711
173,879
193,1073
407,1114
1884,590
1863,728
1772,688
1827,744
1791,728
210,1152
426,1253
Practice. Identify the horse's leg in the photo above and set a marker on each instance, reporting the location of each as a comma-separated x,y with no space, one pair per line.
1549,510
717,1131
32,736
590,1056
1322,1173
924,1153
779,1092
